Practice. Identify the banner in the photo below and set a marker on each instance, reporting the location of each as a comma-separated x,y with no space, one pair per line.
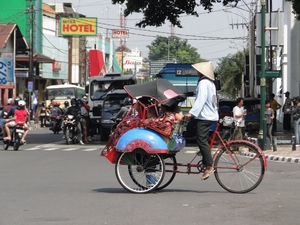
6,70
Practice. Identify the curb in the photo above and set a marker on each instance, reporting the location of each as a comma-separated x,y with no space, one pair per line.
282,159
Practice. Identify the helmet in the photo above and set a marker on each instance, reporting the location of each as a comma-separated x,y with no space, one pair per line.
127,101
79,102
21,104
16,100
57,104
73,102
66,103
9,101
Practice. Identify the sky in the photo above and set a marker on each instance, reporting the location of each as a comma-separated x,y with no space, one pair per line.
211,33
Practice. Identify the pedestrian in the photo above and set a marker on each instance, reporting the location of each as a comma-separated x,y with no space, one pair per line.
269,114
84,114
286,109
239,115
205,111
42,114
296,118
275,106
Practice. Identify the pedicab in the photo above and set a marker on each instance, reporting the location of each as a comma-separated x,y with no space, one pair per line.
143,146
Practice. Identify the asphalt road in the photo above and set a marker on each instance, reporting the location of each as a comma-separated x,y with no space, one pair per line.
48,182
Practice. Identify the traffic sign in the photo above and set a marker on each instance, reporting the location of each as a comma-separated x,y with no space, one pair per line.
271,74
30,86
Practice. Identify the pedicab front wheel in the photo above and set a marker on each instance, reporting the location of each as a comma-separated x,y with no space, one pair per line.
140,172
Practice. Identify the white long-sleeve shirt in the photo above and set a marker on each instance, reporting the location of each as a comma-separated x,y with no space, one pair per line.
205,107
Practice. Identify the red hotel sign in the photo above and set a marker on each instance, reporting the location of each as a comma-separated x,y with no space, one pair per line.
122,33
78,26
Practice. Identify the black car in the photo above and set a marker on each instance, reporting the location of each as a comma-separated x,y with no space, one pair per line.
112,104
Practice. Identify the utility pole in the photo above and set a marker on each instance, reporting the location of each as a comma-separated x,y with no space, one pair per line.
30,74
262,122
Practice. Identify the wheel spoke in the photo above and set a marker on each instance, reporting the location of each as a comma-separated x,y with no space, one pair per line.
140,172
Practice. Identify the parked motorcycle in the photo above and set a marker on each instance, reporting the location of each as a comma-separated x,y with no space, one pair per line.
71,134
56,124
16,135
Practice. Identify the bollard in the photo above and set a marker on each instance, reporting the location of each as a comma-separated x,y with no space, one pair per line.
293,143
274,144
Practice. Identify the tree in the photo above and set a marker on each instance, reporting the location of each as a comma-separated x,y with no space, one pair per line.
230,71
296,8
167,48
156,12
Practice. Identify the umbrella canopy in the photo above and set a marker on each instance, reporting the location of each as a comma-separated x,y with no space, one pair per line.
161,90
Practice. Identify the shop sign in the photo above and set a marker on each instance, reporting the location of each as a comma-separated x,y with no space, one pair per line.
78,26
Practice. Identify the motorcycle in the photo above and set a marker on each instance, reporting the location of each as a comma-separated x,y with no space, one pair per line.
16,135
56,124
71,134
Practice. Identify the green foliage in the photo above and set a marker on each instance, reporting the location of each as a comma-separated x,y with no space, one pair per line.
156,12
230,71
296,8
164,48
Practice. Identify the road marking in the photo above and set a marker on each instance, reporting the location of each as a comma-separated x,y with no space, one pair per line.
69,149
32,149
50,149
191,151
90,149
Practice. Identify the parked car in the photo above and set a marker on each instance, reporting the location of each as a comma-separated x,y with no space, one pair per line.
253,111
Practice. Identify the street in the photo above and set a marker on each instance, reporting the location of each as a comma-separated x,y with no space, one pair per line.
48,182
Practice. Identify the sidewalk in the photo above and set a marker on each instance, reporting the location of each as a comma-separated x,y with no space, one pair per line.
285,152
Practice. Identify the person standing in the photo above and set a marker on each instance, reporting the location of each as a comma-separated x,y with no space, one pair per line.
42,114
269,114
275,106
205,112
286,109
239,115
296,118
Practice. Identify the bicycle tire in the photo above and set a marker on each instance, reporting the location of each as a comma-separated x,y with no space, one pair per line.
170,168
140,172
245,176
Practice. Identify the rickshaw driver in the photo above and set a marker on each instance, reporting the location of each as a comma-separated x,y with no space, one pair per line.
205,111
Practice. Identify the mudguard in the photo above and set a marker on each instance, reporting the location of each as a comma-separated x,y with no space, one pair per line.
250,143
149,140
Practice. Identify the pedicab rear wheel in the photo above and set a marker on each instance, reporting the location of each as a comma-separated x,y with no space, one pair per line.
140,172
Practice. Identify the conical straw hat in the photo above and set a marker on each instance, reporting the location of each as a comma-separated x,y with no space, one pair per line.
205,68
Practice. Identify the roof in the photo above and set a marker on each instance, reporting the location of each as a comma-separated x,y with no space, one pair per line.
37,57
6,30
48,10
122,48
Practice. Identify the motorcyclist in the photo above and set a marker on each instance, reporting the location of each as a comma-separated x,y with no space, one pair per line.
4,114
64,110
65,107
127,103
74,110
13,108
54,112
20,116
